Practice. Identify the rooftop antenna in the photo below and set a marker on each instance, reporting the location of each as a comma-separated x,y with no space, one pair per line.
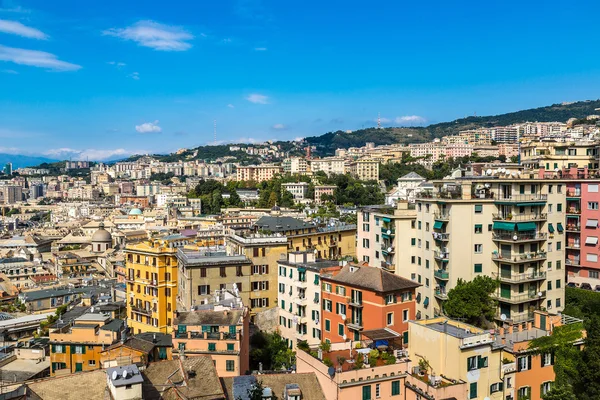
215,131
378,120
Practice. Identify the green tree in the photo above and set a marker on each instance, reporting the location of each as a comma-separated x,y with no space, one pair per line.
255,392
271,350
588,370
472,301
272,199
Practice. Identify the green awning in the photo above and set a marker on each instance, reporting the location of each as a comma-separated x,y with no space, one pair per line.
426,301
560,227
386,219
504,226
573,199
540,203
550,228
438,225
526,226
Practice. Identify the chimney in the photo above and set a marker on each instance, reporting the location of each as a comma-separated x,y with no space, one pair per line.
154,338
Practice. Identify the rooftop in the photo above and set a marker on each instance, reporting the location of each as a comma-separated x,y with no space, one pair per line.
237,387
232,317
372,278
126,375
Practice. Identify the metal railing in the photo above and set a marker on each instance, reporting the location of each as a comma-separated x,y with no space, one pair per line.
519,236
441,274
517,278
517,258
520,217
521,297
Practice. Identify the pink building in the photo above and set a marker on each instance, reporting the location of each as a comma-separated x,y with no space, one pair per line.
321,190
582,216
458,150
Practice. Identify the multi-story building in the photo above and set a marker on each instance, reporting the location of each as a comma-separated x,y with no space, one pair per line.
357,299
320,190
364,169
11,194
505,134
220,330
329,165
383,232
258,173
298,190
296,165
553,155
300,298
498,227
75,346
152,283
263,251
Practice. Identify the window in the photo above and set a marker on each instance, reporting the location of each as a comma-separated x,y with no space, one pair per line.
558,207
478,248
545,387
366,392
594,274
395,388
592,188
496,387
405,315
427,264
478,228
419,225
390,318
427,245
341,329
327,305
230,365
549,247
558,283
419,243
327,325
413,241
202,272
426,226
203,290
471,363
390,299
478,268
591,257
549,208
92,363
426,282
377,391
473,390
524,363
212,347
558,302
524,393
558,246
327,287
366,227
592,205
478,208
549,285
547,359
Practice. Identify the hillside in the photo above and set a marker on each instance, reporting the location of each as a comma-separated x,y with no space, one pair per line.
20,161
327,143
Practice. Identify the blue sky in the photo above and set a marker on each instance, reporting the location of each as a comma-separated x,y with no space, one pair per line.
113,78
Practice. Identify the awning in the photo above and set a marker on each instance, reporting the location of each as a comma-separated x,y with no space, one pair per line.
386,219
591,223
550,228
559,227
504,226
573,198
438,225
591,240
426,301
540,203
526,226
381,334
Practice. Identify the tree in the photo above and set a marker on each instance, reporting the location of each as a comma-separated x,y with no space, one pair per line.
272,199
256,391
471,301
271,350
588,370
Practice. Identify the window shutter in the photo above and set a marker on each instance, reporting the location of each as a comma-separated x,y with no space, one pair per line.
83,349
501,386
267,286
528,362
541,389
542,357
337,308
552,359
519,364
324,304
207,289
266,269
313,316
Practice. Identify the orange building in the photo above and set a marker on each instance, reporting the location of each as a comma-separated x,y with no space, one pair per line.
76,346
223,335
359,298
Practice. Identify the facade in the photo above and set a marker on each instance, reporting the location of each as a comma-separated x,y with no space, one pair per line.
258,173
299,298
298,190
406,189
503,228
320,190
296,165
220,332
364,170
152,283
357,299
329,165
76,346
552,155
11,194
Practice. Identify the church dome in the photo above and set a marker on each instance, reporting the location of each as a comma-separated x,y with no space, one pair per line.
102,235
135,211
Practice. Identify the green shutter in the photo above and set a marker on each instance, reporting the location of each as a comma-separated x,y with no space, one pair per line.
473,390
366,392
340,329
559,227
83,349
181,328
405,338
550,228
478,207
230,346
205,328
327,325
162,353
395,388
232,329
78,367
478,268
316,279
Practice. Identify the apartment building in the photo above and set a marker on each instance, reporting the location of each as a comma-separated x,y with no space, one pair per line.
220,330
152,283
299,300
263,251
320,190
364,169
76,346
258,173
11,194
298,189
383,232
505,134
552,155
506,228
329,165
358,299
296,165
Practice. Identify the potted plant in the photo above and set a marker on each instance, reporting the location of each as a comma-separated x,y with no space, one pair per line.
509,216
325,346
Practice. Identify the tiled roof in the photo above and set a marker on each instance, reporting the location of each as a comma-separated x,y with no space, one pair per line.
83,385
232,317
308,384
372,278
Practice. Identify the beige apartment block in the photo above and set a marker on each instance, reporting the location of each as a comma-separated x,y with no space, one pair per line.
553,155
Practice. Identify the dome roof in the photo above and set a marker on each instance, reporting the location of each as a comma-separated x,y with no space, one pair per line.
135,211
101,235
275,208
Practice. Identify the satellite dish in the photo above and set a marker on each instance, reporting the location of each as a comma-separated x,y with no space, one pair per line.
389,249
515,237
115,376
489,171
344,337
331,372
388,231
503,317
540,294
487,185
555,169
125,374
343,317
486,398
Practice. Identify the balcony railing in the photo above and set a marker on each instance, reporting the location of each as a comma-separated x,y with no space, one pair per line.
519,236
519,258
441,274
522,198
574,245
441,216
521,297
509,367
441,294
388,231
573,228
440,236
213,335
517,318
145,311
574,193
355,302
356,325
441,255
573,210
520,217
572,261
519,278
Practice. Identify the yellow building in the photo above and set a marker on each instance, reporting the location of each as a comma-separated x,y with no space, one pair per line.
552,155
152,283
76,346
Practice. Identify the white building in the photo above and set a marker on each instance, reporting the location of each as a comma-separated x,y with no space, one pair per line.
298,190
406,188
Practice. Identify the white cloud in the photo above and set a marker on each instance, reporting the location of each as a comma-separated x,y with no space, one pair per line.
260,49
279,127
230,106
90,154
117,64
135,75
258,98
384,120
17,28
410,119
35,58
149,127
154,35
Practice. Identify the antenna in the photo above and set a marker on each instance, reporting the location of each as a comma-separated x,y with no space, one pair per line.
215,131
378,120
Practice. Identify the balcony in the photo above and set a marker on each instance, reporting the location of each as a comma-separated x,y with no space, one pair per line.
332,243
355,303
441,216
523,198
385,250
521,297
508,368
388,266
519,237
443,237
213,335
441,255
355,325
573,262
517,318
520,278
441,274
572,228
301,300
441,294
573,210
140,310
520,217
388,231
519,258
573,246
574,193
301,336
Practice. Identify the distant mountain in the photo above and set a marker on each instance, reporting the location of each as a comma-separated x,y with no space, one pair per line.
20,161
327,143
